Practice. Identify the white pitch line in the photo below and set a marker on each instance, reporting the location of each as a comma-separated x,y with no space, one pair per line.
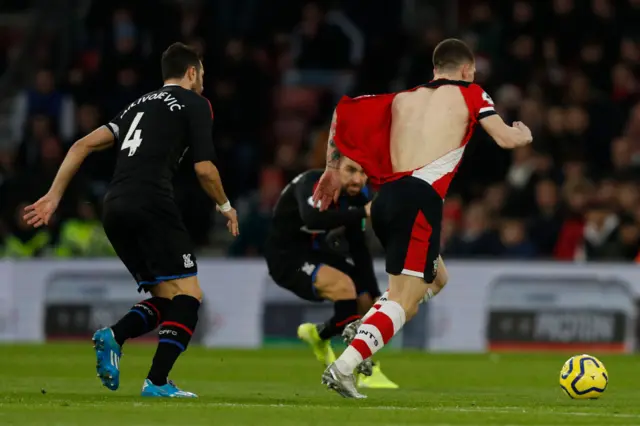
498,410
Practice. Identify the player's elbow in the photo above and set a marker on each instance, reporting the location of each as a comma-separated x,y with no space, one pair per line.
509,139
206,170
81,148
98,140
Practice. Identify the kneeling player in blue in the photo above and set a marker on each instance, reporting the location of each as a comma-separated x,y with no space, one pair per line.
324,256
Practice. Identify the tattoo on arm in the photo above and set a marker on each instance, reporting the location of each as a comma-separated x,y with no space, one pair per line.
333,154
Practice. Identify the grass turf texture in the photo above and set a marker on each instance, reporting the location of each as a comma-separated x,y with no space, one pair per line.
282,387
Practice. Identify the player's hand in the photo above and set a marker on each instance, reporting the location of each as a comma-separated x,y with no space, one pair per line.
328,189
40,212
367,208
232,223
525,131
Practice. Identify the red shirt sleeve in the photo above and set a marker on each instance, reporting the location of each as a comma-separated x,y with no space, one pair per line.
481,102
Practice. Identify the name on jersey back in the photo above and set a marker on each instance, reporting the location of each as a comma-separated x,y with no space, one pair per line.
170,100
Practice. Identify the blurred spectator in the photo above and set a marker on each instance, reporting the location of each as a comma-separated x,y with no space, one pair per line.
623,158
451,216
255,214
125,91
83,236
494,199
515,243
43,99
628,197
30,149
601,240
520,61
22,239
546,221
417,67
98,167
592,53
483,32
475,239
522,167
571,232
326,41
124,48
629,236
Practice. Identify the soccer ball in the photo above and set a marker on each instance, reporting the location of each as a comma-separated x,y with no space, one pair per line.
584,377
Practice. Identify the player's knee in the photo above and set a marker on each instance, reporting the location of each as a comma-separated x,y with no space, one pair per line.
408,292
195,292
346,289
184,286
191,289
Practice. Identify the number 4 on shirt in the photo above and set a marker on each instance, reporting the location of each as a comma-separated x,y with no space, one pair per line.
134,136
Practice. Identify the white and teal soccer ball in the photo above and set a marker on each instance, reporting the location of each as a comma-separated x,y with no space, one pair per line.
584,377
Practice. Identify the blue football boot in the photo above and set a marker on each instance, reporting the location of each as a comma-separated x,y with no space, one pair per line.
170,390
108,354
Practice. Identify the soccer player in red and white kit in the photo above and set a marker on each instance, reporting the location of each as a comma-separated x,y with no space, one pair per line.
410,144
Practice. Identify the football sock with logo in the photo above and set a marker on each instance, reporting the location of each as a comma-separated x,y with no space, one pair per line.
372,335
174,336
378,303
344,312
142,318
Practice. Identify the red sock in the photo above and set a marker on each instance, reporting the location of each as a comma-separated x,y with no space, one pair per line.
372,335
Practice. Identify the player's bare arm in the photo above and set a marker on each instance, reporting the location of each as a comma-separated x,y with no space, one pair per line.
98,140
40,212
506,136
333,154
328,189
200,119
313,218
210,180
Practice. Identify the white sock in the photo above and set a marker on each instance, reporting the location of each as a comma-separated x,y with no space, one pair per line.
372,335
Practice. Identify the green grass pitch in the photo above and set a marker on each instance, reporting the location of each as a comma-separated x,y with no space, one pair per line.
282,387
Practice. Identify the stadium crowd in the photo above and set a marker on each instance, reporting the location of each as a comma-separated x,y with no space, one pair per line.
273,72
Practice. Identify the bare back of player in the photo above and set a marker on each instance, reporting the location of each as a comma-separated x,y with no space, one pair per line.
427,124
430,127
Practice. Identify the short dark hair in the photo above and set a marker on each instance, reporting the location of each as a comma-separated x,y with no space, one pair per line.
177,59
451,53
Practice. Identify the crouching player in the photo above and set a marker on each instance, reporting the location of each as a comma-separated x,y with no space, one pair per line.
323,256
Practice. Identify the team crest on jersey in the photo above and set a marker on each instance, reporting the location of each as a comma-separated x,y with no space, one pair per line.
308,268
188,263
487,98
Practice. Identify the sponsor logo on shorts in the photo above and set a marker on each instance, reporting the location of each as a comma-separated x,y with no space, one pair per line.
188,263
171,332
